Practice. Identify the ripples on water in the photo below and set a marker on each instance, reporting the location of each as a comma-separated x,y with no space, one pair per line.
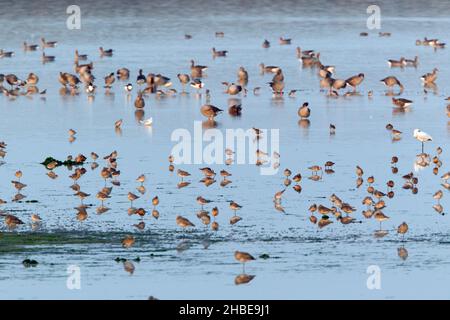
303,262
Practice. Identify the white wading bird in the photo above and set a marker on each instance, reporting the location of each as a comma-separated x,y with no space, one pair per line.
422,136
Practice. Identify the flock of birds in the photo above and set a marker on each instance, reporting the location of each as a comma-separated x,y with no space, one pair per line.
83,79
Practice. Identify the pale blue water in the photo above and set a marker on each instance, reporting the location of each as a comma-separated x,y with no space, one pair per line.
304,262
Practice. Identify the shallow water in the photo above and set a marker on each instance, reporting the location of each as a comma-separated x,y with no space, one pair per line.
303,262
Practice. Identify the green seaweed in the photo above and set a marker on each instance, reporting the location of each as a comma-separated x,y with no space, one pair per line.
59,163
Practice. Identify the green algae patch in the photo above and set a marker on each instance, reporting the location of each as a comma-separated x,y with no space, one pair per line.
22,242
59,163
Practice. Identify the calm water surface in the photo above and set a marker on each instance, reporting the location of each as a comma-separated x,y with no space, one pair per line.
303,262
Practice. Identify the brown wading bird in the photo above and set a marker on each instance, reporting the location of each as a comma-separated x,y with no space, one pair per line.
210,111
183,222
243,257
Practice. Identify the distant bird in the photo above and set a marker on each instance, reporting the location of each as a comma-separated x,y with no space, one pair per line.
304,111
220,53
391,81
210,111
105,53
355,81
430,78
422,137
401,102
147,122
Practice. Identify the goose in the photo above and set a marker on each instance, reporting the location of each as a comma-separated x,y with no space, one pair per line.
220,53
162,81
277,87
48,44
46,58
268,69
123,74
429,78
30,47
197,70
184,79
12,80
355,81
79,56
32,79
412,62
391,81
139,103
242,75
6,54
109,80
284,41
278,77
397,63
83,68
105,53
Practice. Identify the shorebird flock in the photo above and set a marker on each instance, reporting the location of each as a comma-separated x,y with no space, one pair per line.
81,80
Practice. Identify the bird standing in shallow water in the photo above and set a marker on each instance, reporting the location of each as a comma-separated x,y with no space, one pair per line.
422,137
